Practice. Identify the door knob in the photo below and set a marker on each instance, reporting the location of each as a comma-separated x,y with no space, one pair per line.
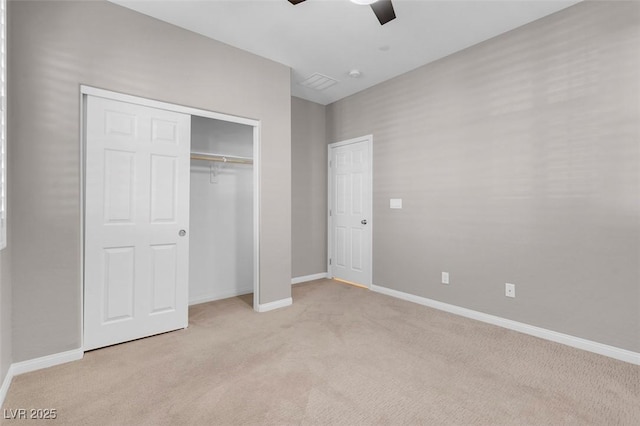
182,233
363,221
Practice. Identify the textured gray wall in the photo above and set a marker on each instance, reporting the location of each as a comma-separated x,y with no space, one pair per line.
518,161
5,301
53,48
5,315
308,188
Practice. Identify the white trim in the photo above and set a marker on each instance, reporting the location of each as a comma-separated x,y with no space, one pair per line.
219,296
306,278
30,365
82,159
6,383
257,132
543,333
329,218
351,141
369,140
46,361
94,91
266,307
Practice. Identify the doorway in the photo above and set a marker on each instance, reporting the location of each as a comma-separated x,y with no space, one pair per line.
136,214
221,213
350,222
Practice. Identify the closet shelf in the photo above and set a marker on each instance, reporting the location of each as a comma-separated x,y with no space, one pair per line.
205,156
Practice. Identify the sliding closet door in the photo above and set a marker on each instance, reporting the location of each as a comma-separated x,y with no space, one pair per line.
136,221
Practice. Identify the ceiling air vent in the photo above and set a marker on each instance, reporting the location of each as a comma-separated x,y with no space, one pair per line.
318,82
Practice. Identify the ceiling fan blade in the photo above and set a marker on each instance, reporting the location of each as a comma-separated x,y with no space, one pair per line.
294,2
383,10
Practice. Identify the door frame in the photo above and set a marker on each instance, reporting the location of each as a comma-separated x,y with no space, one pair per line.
116,96
369,208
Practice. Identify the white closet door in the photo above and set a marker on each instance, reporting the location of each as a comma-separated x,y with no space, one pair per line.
136,222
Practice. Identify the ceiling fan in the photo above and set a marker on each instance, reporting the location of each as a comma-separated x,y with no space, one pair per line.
382,8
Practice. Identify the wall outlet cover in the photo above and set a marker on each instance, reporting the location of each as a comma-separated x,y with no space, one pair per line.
510,290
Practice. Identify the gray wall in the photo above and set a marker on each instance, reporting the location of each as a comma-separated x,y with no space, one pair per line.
5,315
6,345
517,160
308,188
53,48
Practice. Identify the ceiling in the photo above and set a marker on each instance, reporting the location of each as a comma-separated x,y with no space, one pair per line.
333,37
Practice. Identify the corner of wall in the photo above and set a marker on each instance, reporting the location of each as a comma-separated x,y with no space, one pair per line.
308,188
5,325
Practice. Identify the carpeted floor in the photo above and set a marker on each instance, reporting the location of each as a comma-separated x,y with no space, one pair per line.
339,355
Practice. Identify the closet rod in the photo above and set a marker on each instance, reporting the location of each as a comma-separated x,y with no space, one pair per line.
221,158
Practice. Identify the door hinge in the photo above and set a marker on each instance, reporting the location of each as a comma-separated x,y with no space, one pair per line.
329,212
330,163
329,261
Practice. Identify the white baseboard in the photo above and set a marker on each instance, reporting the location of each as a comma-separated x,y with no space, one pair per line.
46,361
275,305
543,333
305,278
219,296
28,366
5,385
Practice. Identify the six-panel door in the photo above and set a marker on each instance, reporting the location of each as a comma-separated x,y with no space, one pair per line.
136,207
350,213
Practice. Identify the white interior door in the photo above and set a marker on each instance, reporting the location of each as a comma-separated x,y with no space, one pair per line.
350,211
136,221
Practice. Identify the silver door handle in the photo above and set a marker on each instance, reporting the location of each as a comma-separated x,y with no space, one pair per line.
182,233
363,221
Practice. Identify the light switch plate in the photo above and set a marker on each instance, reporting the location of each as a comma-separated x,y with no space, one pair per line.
395,203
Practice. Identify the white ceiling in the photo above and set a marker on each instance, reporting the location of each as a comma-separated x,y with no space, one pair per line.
332,37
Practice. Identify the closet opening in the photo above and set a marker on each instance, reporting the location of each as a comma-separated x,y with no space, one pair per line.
170,213
221,247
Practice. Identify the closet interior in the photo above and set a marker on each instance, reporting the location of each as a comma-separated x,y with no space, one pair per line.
221,210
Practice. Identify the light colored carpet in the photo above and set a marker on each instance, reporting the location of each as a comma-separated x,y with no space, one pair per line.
339,355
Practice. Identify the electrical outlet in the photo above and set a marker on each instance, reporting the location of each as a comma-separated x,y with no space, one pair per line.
445,278
510,290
